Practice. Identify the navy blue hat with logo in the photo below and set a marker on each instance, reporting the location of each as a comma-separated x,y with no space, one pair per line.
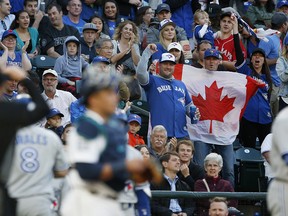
100,59
134,117
54,112
212,53
8,33
282,3
162,7
258,50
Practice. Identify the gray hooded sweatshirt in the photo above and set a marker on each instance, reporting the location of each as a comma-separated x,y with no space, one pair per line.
70,66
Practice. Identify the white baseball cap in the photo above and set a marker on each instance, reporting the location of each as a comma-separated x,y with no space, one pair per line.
50,71
174,45
167,57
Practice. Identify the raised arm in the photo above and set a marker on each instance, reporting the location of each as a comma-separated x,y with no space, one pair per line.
141,70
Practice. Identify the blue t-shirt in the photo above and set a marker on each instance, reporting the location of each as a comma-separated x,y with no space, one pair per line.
112,26
207,36
167,101
14,62
79,26
258,108
272,50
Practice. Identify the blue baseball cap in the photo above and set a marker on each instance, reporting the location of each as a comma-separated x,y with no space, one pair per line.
212,53
134,117
282,3
8,33
100,59
54,112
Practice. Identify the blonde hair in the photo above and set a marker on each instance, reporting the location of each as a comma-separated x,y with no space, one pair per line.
197,15
117,33
161,38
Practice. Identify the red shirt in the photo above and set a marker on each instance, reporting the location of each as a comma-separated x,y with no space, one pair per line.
227,49
135,139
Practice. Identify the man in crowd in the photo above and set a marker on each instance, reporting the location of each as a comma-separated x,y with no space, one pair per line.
38,19
165,93
88,50
55,98
74,8
53,38
218,207
189,171
170,162
163,11
5,17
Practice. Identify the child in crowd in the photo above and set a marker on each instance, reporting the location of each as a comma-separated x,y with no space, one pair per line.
202,30
134,122
70,65
54,119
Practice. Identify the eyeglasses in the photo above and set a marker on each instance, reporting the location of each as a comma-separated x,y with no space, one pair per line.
49,80
4,25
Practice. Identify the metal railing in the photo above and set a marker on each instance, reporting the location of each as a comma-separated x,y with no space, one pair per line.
206,195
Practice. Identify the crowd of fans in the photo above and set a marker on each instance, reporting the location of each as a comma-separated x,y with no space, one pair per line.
144,40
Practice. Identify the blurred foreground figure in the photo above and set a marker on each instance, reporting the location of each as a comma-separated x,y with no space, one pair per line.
99,161
278,189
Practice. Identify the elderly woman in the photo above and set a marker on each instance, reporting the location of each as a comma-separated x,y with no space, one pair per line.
213,164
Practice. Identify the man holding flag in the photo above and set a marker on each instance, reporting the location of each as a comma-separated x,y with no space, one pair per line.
221,98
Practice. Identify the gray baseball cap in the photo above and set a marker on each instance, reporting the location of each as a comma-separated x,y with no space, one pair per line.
279,18
90,26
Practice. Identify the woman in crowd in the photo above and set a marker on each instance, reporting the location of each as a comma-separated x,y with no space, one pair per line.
260,13
213,164
25,33
143,19
176,50
9,55
98,21
282,71
167,35
110,17
126,53
257,118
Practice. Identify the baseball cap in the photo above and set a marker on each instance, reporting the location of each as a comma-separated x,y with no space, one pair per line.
50,71
54,112
167,57
174,45
162,7
213,10
258,50
95,80
134,117
282,3
8,33
166,22
23,98
90,26
100,59
279,18
212,53
154,21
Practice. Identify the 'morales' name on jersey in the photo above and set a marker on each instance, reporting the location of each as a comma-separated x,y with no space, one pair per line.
168,88
38,139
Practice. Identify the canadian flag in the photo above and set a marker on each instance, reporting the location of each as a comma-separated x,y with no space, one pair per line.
221,97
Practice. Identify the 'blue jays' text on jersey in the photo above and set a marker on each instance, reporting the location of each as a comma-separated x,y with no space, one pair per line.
167,101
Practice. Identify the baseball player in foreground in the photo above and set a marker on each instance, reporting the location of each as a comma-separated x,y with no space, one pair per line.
278,188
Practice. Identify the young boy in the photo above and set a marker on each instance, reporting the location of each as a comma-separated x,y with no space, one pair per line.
70,65
54,119
134,122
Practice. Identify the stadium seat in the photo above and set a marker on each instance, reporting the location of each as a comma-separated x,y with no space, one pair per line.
248,169
42,62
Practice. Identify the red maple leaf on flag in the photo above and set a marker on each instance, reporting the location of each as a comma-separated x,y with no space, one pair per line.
213,108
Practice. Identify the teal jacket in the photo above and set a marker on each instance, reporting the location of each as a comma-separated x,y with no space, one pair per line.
34,35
